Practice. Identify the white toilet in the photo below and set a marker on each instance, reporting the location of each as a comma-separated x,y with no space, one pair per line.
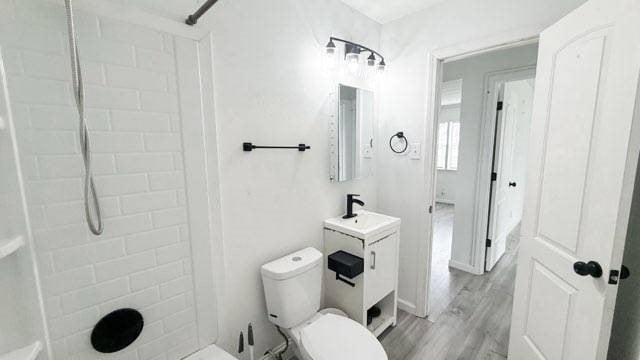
292,288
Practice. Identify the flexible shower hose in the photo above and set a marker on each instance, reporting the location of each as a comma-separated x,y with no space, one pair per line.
91,202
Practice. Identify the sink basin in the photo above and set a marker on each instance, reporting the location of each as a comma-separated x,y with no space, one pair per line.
364,226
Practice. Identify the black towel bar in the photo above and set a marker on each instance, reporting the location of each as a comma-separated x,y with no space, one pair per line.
247,146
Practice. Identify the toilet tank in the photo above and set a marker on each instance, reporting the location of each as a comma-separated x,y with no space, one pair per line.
292,287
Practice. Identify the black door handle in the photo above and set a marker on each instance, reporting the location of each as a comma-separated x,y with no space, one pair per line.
591,268
512,184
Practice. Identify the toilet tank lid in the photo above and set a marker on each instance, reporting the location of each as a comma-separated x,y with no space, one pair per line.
293,264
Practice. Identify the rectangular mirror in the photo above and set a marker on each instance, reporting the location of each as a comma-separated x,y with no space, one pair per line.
351,133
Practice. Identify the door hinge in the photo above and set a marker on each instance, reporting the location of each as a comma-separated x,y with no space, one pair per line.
488,243
494,176
430,209
499,105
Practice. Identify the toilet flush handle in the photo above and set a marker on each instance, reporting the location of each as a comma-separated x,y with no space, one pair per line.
373,260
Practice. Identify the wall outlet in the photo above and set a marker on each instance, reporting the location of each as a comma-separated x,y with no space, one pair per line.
414,151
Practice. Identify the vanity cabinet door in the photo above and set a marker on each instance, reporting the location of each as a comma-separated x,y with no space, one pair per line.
381,268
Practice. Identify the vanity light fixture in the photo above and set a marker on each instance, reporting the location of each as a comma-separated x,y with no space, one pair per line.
352,55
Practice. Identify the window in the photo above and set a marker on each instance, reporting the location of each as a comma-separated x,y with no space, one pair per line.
448,143
449,126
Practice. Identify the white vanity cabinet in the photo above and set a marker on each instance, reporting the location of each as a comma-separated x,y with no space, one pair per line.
374,238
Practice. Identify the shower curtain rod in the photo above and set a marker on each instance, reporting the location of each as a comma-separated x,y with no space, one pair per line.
193,18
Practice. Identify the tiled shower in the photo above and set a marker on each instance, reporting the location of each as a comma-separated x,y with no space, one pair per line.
143,259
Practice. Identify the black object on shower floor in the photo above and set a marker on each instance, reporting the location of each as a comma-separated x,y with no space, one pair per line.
117,330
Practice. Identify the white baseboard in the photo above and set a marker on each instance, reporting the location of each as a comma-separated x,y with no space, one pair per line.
407,306
464,267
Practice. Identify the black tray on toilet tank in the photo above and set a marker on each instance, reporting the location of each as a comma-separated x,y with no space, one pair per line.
345,264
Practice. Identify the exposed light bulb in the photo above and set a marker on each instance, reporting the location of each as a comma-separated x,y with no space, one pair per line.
353,62
330,61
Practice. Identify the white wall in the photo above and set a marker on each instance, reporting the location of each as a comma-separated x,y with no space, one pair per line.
472,71
143,258
446,186
271,89
406,43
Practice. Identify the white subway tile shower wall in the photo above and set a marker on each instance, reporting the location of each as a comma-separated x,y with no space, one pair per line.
142,260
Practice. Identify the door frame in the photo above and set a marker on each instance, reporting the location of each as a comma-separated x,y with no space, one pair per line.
435,61
483,196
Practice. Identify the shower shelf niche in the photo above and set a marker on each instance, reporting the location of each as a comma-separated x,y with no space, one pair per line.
8,247
30,352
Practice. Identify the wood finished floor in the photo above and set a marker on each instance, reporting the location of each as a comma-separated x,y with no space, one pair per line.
471,318
445,283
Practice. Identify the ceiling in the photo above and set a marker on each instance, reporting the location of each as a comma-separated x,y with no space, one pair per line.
384,11
175,9
381,11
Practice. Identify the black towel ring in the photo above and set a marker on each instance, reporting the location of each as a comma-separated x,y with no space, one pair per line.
399,135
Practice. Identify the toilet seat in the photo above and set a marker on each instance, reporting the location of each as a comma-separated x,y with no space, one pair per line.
334,337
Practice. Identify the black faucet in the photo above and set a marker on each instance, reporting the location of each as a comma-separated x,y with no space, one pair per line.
350,201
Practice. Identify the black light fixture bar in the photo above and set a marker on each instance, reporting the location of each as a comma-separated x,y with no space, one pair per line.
358,46
247,146
193,18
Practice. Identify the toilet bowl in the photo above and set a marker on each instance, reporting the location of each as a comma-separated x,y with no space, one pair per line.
292,286
333,337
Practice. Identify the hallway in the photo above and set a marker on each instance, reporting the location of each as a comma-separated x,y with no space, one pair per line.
473,322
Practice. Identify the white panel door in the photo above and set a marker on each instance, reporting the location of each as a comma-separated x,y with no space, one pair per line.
583,157
512,135
522,92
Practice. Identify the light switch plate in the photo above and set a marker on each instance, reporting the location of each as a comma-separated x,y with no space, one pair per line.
414,151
